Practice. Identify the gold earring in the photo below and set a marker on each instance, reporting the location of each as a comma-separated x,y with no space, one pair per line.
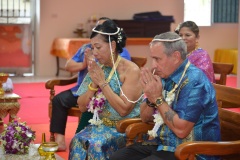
196,46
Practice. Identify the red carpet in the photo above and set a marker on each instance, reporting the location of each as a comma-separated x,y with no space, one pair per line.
30,90
231,81
34,102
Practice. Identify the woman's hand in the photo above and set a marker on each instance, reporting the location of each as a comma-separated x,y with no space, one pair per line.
88,55
95,71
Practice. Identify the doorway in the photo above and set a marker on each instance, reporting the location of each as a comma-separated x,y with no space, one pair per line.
16,37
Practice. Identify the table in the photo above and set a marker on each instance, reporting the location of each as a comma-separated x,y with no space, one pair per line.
67,47
9,105
227,56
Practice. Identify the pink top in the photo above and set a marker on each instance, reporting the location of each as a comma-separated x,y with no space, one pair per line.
202,60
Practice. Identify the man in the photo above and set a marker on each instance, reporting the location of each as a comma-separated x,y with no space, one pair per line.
67,99
182,95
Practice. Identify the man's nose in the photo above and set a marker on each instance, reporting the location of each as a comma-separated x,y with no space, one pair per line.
154,64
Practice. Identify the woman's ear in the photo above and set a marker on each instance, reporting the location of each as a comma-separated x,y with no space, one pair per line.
113,43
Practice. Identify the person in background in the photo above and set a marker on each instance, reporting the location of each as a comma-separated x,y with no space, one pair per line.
181,99
189,31
67,99
111,91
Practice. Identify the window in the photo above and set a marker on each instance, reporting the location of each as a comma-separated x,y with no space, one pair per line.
204,12
198,11
15,12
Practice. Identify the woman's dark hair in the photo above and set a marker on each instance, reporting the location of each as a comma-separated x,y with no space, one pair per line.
110,26
189,24
104,18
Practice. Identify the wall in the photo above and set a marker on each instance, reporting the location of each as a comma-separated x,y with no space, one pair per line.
59,18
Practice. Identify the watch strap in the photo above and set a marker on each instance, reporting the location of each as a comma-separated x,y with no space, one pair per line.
150,104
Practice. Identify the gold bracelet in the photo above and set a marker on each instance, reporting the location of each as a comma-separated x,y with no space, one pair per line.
91,88
104,85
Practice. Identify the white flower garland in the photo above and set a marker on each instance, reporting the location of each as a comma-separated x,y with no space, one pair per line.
95,106
157,117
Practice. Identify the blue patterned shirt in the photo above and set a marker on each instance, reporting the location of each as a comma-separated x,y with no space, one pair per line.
195,102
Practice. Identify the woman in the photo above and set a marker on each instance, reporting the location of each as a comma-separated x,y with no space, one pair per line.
189,31
111,91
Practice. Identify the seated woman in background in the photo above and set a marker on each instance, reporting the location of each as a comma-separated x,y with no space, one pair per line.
189,32
111,90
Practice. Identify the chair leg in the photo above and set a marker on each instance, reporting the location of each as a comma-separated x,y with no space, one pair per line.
1,126
1,121
52,137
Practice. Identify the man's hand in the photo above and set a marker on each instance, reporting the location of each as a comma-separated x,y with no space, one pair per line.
152,85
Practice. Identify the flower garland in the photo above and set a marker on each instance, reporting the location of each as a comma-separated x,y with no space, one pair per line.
16,137
95,106
157,117
97,102
169,99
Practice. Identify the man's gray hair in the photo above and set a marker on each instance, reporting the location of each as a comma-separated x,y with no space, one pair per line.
172,42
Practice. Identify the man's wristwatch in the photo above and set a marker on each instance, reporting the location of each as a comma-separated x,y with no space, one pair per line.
159,101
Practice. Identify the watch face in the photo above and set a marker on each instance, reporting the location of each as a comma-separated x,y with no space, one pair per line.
159,101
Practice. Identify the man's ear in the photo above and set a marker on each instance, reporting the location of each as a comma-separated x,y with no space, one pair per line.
177,56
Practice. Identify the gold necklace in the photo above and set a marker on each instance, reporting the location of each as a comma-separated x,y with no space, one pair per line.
112,71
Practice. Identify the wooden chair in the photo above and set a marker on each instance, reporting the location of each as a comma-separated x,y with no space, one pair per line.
74,111
223,69
50,84
140,61
228,147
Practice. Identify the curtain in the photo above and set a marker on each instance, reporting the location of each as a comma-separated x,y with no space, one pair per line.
225,11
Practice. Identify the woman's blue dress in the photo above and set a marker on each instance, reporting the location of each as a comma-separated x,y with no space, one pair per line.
99,142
